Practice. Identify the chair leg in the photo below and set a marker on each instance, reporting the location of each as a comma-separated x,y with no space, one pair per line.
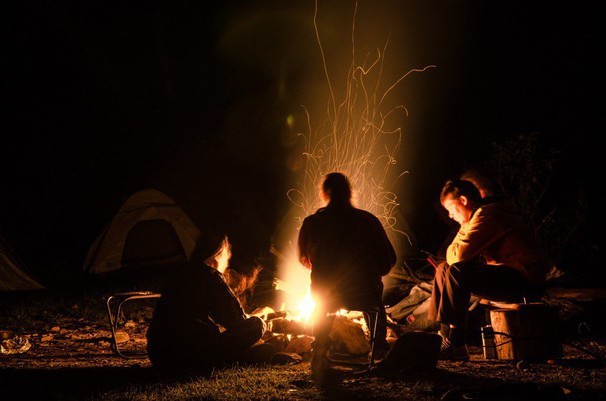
373,320
112,323
114,318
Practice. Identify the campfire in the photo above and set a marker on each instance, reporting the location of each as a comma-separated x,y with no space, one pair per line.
292,324
289,327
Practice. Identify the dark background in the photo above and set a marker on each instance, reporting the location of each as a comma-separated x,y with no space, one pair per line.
103,99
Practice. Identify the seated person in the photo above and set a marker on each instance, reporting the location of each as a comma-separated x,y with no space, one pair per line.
198,322
492,255
348,252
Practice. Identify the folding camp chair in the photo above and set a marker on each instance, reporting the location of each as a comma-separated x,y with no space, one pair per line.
115,304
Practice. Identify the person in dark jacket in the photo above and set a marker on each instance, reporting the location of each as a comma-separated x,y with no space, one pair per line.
348,252
198,322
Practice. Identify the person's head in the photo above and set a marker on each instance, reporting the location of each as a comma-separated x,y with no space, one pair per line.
460,198
336,189
481,180
213,250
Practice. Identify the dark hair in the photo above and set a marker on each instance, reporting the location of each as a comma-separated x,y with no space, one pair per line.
336,187
481,179
206,246
457,188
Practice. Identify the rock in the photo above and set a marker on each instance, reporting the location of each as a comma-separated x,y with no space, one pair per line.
122,337
299,345
46,337
6,334
348,337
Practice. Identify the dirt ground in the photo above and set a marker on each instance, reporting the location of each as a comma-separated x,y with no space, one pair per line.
73,336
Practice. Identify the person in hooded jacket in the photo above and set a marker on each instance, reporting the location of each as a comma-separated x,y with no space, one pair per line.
199,323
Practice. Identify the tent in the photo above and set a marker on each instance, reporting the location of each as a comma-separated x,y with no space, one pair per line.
150,229
13,276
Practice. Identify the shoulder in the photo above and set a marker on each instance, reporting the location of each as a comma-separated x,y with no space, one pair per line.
497,208
366,215
501,214
318,215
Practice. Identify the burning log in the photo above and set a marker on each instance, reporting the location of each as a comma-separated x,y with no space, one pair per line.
288,326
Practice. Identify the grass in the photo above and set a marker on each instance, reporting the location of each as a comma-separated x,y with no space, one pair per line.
92,372
274,383
262,383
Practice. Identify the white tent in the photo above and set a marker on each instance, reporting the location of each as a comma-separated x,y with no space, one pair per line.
12,272
149,229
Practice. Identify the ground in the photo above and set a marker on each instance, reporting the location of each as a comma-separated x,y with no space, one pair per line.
71,358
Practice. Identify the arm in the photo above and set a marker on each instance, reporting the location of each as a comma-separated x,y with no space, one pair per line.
475,236
225,308
303,245
387,254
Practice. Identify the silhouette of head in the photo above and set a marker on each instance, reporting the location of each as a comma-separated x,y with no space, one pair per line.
481,180
336,189
207,247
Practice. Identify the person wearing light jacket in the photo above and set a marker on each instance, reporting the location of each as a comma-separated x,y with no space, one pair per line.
493,255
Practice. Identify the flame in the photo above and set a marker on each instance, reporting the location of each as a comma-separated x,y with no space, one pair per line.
299,303
305,308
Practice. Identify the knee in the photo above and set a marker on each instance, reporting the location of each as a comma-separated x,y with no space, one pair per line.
441,270
454,272
256,325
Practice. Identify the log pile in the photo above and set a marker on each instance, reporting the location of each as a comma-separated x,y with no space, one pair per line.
293,336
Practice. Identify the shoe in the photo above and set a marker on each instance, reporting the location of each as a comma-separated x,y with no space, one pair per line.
451,352
382,370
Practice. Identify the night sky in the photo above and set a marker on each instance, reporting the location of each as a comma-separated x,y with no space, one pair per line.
103,99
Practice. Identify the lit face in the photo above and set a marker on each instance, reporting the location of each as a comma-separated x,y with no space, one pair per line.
459,209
